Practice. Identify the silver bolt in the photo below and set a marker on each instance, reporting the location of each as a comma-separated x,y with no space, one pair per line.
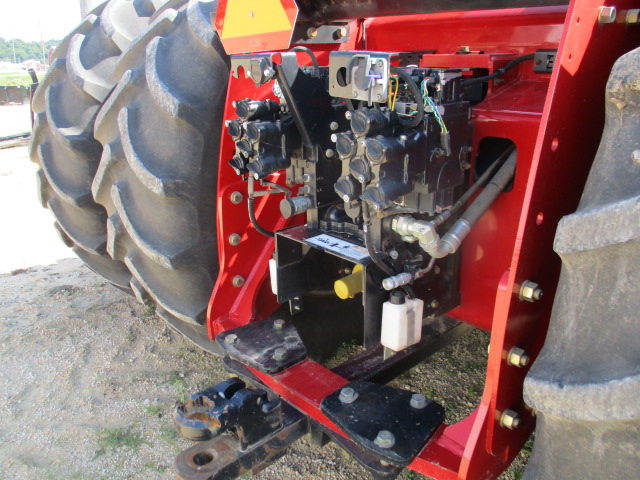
380,63
306,178
361,178
510,419
334,126
341,32
234,104
278,324
385,439
607,15
227,123
348,115
236,197
280,353
394,254
348,395
530,291
238,281
436,270
312,32
334,138
418,401
231,339
635,156
346,198
434,304
328,153
234,239
633,16
517,357
379,97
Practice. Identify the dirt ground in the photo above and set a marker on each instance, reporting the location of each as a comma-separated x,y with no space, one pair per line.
88,377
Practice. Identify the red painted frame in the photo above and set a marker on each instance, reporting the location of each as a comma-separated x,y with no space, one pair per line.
546,116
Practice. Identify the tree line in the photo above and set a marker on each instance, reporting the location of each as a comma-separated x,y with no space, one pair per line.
24,50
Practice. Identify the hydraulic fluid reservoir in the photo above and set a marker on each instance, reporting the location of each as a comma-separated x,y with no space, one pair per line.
401,321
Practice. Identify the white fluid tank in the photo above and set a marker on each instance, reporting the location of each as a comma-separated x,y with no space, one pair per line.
401,321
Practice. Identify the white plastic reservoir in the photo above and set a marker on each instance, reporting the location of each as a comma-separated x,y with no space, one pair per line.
401,321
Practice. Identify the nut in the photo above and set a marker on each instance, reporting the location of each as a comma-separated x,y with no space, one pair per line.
348,395
341,32
236,197
231,338
607,15
510,419
312,32
278,324
418,401
234,239
385,439
633,16
530,291
238,281
280,353
517,357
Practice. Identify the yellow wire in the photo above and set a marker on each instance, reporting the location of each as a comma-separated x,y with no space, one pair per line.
394,95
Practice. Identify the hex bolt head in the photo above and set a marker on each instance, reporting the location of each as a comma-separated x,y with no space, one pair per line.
238,281
418,401
334,126
278,324
341,32
348,115
280,353
234,239
236,197
231,339
348,395
434,304
607,15
328,153
385,439
633,16
510,419
312,32
517,357
530,291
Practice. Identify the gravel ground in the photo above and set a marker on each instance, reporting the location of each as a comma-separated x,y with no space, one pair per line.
88,378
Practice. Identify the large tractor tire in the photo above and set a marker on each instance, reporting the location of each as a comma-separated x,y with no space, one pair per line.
585,384
160,131
65,106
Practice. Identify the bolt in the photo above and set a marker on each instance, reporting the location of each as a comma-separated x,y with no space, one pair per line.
278,324
334,138
510,419
635,156
328,153
361,178
346,198
530,291
436,270
394,254
280,353
379,97
384,464
234,104
607,15
227,123
355,94
231,339
385,439
312,32
334,126
517,357
434,304
341,32
234,239
418,401
633,16
306,178
238,281
267,72
348,395
348,115
380,63
236,197
465,48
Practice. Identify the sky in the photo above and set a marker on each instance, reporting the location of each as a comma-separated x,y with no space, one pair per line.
25,18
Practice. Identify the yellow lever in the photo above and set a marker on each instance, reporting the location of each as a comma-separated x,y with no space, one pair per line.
348,286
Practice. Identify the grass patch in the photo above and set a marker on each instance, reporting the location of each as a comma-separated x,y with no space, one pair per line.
148,312
111,438
153,410
11,79
179,384
168,434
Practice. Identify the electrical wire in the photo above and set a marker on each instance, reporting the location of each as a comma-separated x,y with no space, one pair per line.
312,55
499,72
254,220
414,120
429,102
393,93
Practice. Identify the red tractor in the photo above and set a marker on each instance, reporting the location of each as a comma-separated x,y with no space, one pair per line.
278,177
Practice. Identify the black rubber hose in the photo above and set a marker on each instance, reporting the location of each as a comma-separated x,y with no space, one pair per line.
499,72
411,121
254,220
